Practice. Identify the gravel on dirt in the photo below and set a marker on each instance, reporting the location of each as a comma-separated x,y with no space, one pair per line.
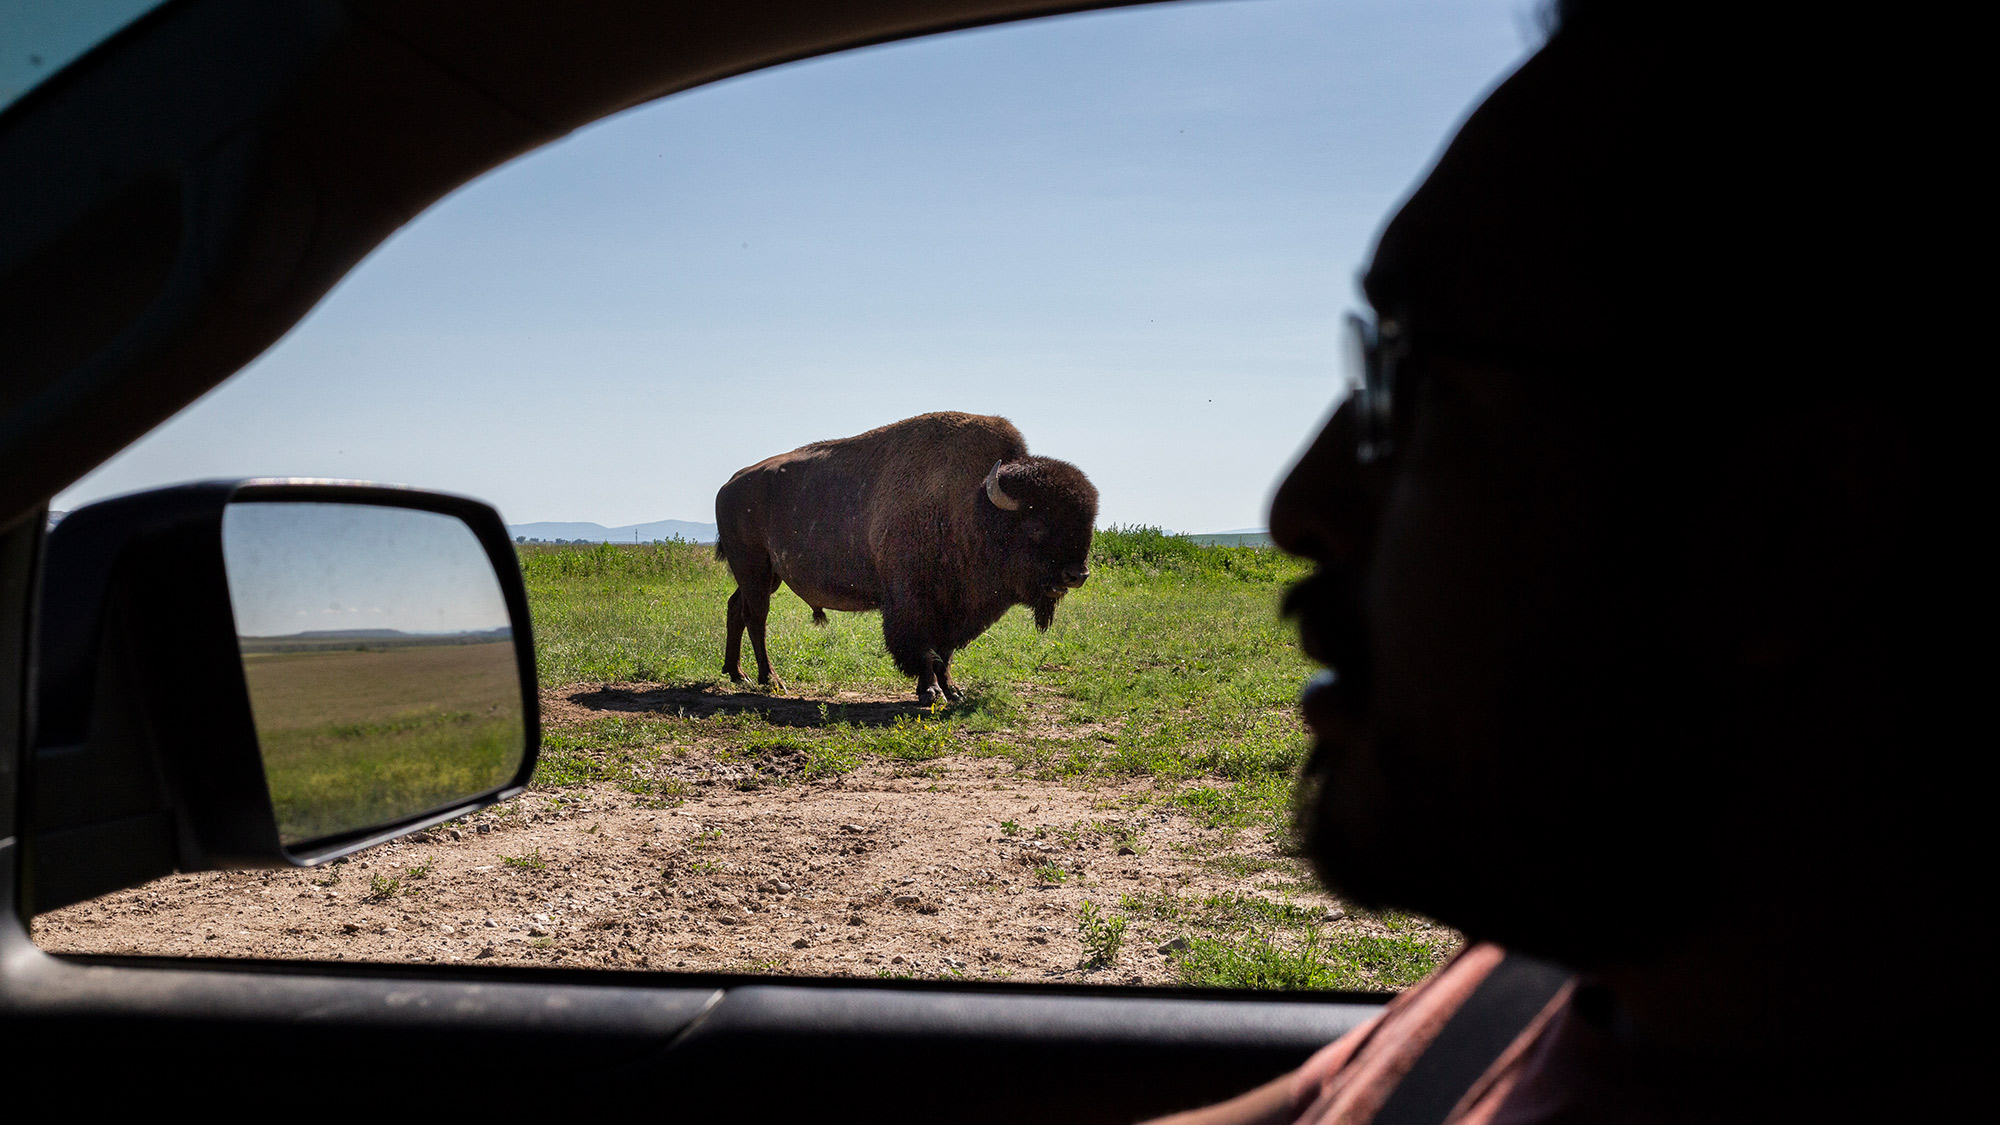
966,870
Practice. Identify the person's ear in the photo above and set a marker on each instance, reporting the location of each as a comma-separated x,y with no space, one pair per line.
1799,553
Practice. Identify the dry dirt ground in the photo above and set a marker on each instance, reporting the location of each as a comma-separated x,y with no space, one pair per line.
867,874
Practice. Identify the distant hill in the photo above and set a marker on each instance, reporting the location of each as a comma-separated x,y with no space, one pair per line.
549,532
502,633
314,634
1241,537
366,640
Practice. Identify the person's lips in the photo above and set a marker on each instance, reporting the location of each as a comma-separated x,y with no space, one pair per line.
1329,627
1317,696
1329,704
1330,633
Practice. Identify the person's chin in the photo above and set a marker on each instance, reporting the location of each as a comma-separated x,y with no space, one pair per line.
1344,814
1385,830
1377,843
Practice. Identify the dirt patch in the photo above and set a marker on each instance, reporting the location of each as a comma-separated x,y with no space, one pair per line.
960,868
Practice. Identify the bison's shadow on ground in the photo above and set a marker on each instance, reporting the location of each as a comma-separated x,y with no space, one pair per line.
702,701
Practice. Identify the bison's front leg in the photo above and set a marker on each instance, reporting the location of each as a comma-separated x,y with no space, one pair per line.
941,667
911,650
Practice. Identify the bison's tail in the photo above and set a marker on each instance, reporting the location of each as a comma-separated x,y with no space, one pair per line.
719,555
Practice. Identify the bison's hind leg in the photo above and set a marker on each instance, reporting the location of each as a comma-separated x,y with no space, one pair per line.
757,611
819,616
749,609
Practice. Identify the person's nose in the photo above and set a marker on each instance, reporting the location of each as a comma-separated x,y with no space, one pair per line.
1325,509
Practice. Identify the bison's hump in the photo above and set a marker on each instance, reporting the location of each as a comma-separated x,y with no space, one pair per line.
936,448
942,428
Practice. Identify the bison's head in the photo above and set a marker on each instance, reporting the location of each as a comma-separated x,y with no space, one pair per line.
1041,511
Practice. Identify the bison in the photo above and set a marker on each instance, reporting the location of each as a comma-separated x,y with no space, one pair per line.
943,522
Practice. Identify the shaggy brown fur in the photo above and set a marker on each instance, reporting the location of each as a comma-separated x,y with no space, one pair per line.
899,519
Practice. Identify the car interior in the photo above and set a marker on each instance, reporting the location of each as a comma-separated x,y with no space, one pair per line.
174,201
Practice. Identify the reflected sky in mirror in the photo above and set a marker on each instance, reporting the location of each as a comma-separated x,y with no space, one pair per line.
337,568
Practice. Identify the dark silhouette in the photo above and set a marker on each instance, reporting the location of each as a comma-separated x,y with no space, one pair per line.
1645,586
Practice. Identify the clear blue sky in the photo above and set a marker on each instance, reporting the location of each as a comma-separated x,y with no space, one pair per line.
1134,233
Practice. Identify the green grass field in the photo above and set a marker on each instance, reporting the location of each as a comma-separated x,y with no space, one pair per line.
353,737
1171,664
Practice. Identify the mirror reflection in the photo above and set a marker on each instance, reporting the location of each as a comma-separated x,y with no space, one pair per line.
380,661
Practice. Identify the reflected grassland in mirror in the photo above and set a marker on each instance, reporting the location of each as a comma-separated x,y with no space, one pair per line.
379,658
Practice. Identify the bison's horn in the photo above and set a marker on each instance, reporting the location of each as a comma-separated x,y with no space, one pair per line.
993,492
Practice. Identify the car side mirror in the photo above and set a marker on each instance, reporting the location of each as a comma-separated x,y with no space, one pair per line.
269,674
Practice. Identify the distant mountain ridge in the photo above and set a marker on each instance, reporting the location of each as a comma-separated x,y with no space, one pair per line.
549,531
384,634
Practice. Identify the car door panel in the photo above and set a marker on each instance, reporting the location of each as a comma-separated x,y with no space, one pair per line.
942,1055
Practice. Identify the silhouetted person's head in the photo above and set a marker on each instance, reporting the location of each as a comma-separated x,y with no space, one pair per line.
1635,588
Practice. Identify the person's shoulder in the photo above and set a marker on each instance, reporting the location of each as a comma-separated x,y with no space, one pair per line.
1349,1079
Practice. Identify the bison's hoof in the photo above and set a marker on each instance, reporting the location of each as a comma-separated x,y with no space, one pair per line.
928,696
953,693
734,677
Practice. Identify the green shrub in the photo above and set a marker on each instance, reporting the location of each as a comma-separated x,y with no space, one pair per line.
1103,936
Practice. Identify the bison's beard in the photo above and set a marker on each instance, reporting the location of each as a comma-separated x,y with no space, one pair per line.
1045,610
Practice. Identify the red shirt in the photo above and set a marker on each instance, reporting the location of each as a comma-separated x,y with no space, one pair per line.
1347,1082
1571,1065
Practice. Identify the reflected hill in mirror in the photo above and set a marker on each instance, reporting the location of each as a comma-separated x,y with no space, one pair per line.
353,640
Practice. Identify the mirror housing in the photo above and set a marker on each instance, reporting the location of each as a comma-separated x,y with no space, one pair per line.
145,754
